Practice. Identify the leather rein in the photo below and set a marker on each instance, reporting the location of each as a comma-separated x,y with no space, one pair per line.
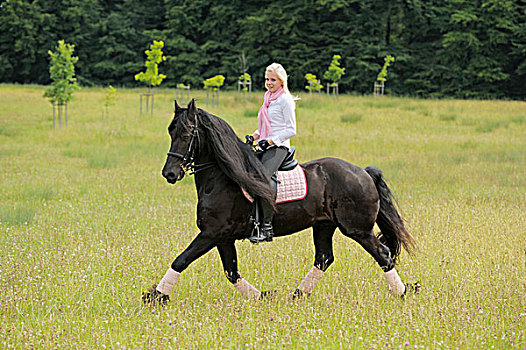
188,159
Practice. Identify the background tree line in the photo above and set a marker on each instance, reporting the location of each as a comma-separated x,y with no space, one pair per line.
456,48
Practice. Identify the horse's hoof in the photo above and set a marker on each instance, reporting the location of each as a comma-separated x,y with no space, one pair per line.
152,297
412,288
268,294
297,294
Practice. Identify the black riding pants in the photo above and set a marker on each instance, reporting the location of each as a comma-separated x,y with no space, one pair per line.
271,159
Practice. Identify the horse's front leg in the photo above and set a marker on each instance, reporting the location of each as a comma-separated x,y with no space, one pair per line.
199,246
227,252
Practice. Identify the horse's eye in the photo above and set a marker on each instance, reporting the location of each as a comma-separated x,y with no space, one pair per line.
186,137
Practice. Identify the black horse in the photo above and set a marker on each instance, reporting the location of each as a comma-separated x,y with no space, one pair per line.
340,195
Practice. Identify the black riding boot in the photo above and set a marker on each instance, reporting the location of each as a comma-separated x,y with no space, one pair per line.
271,160
265,232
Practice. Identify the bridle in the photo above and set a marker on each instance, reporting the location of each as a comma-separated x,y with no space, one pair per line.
188,159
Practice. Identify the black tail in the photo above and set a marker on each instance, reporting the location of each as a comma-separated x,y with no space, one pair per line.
393,233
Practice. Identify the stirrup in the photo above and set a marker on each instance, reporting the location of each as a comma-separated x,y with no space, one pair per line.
263,233
257,235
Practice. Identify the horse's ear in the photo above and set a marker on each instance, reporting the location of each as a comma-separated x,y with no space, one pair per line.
192,109
176,105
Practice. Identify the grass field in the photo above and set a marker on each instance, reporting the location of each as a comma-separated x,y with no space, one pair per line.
88,223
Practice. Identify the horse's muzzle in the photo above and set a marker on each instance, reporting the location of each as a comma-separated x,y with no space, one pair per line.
172,177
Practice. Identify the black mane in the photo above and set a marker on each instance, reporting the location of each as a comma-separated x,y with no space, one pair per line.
234,157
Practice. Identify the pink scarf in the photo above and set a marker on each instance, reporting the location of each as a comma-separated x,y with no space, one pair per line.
265,129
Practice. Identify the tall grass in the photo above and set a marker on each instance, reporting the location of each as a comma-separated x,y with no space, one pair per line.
17,215
87,223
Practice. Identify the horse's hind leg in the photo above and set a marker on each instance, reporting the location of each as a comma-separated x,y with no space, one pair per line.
227,252
324,257
368,240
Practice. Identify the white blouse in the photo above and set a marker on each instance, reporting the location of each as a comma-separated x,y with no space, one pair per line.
282,116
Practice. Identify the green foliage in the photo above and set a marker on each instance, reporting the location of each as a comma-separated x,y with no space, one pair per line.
442,48
476,52
109,97
314,83
62,72
382,76
214,82
335,72
245,78
154,56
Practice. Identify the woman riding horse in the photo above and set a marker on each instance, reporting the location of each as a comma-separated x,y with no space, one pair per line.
277,124
340,195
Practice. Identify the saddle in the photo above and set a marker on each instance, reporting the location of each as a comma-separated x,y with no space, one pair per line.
290,181
289,162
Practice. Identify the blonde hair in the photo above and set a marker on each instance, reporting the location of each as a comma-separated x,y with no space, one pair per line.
278,69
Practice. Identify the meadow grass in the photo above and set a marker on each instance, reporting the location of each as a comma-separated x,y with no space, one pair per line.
87,223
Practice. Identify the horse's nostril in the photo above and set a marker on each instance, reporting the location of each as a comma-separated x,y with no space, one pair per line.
169,175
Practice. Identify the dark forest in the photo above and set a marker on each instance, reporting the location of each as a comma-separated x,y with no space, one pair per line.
456,48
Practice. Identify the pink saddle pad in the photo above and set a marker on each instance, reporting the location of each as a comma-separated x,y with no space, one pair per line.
292,186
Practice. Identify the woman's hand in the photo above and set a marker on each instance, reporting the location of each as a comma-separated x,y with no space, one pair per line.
265,144
255,136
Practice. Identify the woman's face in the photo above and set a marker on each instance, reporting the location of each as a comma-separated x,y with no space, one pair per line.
272,82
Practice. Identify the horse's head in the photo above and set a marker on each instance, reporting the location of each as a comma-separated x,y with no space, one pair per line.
183,132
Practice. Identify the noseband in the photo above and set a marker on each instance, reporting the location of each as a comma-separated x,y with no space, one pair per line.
188,159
